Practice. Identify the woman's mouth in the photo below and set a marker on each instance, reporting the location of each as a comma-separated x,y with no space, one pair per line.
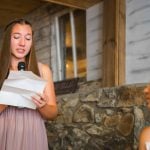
20,51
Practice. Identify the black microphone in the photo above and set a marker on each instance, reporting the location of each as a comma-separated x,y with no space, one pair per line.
21,66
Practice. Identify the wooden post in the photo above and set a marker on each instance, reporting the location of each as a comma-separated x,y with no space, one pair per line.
114,43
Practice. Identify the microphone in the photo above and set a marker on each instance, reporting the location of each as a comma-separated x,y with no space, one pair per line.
21,66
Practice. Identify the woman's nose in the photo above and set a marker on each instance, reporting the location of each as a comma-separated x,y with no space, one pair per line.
22,42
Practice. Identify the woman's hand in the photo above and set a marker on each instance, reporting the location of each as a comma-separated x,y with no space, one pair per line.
46,102
47,111
39,100
2,107
147,95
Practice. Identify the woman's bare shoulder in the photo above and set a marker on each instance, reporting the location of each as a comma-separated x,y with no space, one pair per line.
42,66
44,70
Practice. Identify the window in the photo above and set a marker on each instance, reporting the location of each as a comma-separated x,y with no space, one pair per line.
71,44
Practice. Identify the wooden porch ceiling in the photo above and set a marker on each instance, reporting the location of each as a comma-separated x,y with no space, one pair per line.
75,3
10,9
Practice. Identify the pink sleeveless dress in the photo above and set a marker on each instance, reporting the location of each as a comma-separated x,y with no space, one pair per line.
22,129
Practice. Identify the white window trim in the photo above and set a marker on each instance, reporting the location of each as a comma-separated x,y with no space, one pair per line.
59,66
60,73
74,49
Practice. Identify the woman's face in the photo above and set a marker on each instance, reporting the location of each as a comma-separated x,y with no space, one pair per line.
147,95
21,41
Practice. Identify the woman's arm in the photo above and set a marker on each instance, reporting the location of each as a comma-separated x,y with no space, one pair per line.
144,137
2,107
46,102
145,132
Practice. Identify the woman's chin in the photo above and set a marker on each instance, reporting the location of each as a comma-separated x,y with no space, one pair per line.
19,56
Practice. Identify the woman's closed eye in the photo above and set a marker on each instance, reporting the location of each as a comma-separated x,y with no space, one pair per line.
28,37
16,36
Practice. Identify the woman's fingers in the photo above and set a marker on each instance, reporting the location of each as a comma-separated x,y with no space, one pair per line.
39,100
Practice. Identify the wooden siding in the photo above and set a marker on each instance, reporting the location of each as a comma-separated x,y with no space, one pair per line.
40,20
138,41
94,21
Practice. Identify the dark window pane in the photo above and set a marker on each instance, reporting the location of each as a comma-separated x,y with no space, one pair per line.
66,44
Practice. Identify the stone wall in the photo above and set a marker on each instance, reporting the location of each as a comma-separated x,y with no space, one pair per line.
95,118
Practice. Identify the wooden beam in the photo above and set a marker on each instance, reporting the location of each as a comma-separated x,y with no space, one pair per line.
121,36
114,43
75,3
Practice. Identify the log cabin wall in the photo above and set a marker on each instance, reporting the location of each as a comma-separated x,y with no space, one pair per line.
42,20
94,26
99,107
137,41
43,27
45,37
45,34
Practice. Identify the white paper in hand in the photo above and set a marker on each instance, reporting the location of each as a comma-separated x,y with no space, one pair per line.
147,145
19,87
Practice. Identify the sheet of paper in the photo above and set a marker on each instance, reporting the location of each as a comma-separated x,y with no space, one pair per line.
25,80
13,99
147,145
19,87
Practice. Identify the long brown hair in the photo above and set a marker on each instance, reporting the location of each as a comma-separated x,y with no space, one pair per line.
5,54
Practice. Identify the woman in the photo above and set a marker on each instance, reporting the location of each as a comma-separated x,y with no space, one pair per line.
22,128
144,140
